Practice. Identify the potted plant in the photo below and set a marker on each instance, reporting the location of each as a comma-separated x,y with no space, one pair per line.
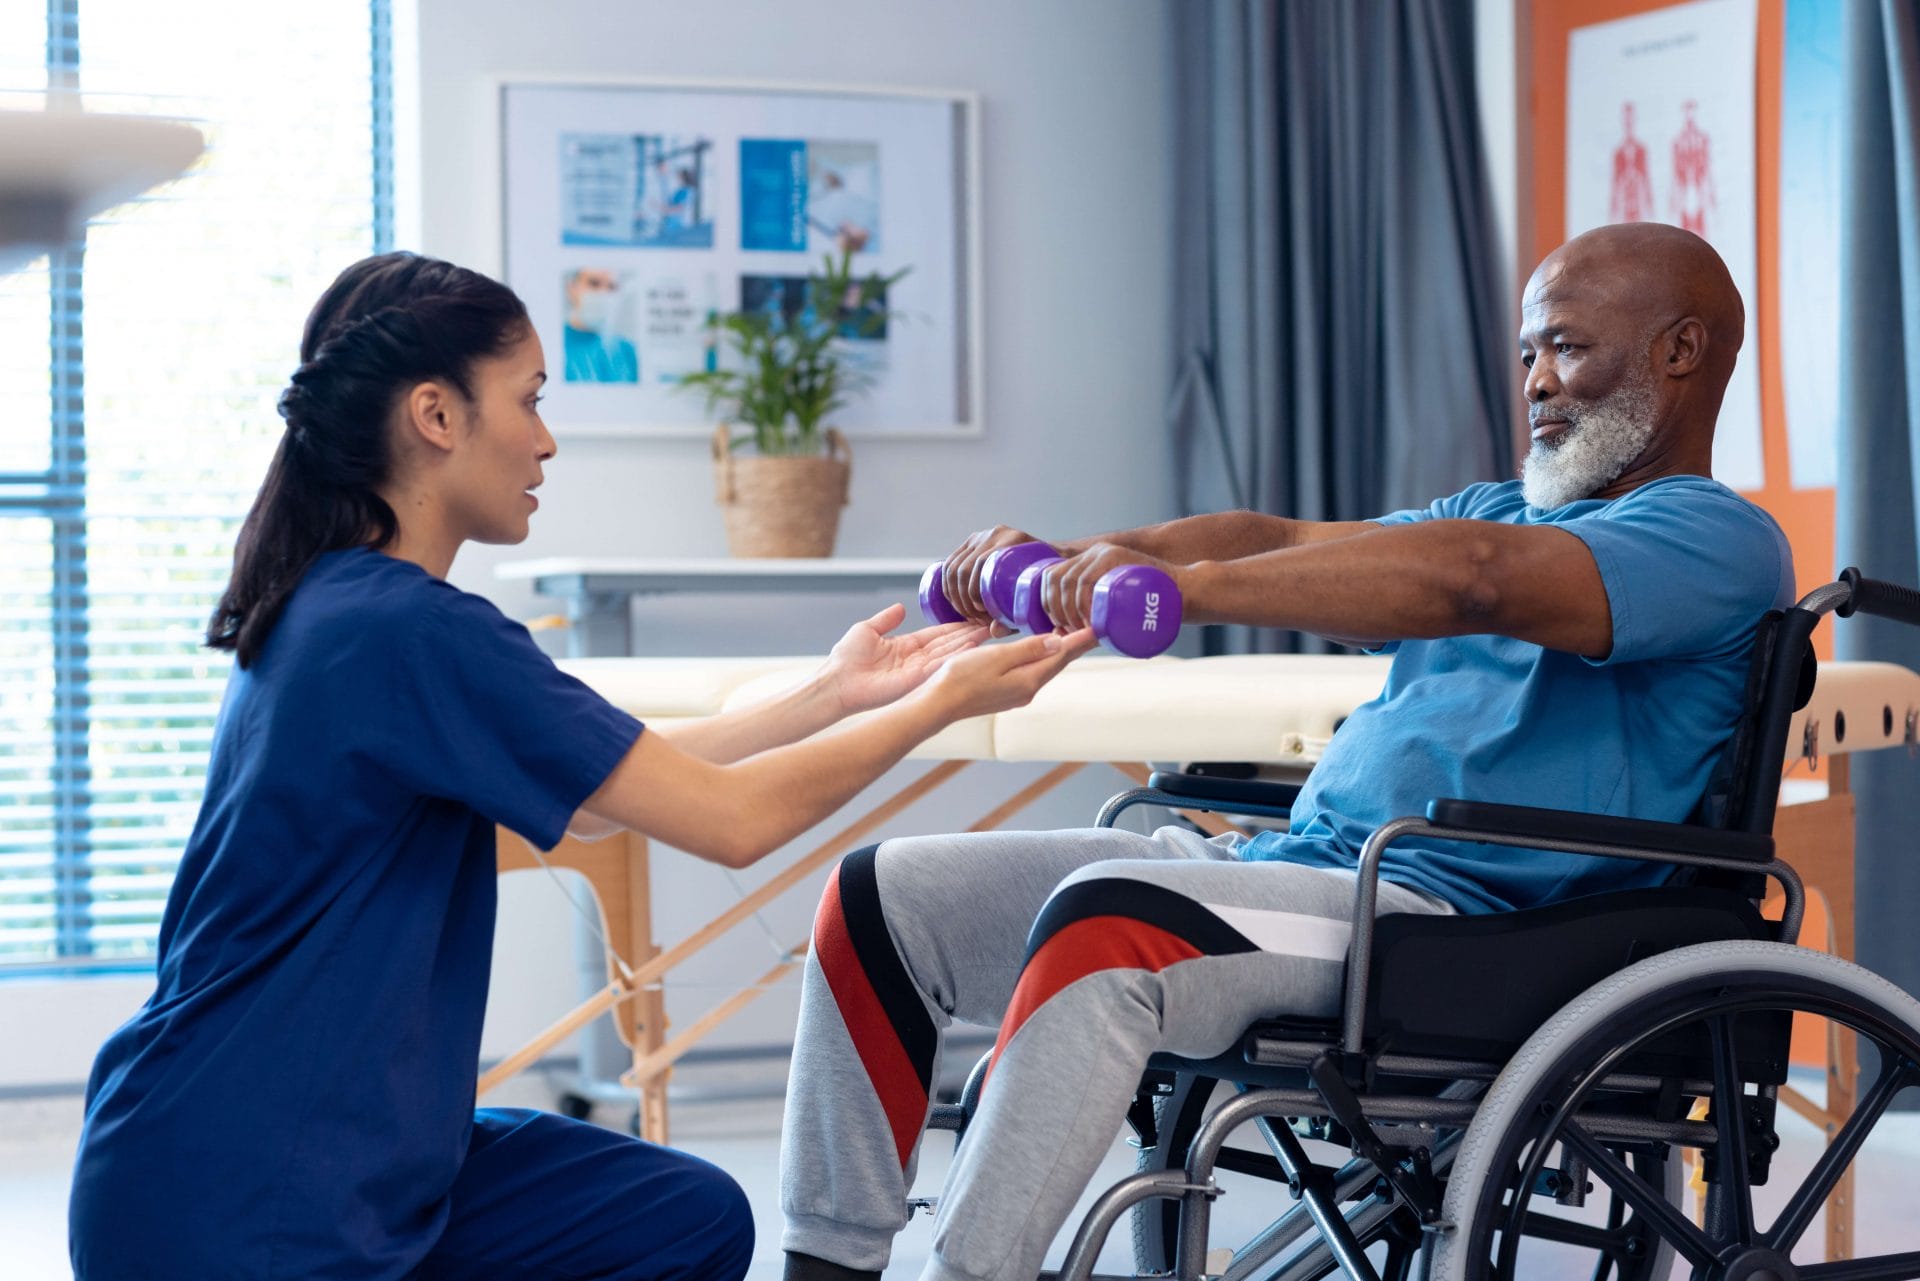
783,371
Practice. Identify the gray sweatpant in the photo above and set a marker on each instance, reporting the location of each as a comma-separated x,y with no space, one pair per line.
1090,950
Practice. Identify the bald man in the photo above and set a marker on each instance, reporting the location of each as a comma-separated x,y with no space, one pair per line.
1576,638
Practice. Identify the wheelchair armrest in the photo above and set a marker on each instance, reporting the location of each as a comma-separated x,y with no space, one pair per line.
1601,829
1236,795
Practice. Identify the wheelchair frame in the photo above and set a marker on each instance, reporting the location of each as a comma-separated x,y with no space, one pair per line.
1339,1068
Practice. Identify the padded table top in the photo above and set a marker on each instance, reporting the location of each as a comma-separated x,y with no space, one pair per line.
1277,709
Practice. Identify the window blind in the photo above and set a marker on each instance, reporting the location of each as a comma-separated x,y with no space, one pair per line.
138,375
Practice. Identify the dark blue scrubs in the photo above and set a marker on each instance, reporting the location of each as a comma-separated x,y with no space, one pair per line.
296,1098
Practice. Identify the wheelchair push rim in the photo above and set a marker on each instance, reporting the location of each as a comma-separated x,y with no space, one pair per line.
1537,1109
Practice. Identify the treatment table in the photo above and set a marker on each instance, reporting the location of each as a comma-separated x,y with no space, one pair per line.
1276,711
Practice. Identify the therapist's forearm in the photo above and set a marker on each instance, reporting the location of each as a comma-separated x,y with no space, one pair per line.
790,789
743,732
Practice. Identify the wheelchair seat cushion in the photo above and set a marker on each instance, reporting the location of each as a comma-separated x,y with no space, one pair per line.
1477,986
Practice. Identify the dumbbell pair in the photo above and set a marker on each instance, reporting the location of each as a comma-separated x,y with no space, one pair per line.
1136,608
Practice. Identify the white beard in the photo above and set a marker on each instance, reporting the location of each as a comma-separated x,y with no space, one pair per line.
1601,440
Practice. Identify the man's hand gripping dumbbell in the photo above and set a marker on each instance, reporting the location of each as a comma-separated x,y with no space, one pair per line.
1027,585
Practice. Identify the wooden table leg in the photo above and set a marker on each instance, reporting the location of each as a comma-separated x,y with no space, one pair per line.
1816,839
646,1014
1843,1060
618,873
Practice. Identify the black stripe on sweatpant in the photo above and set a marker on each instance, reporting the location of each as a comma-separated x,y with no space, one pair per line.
1141,901
867,927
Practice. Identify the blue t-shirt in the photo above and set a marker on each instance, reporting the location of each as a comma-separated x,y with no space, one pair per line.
1689,567
295,1098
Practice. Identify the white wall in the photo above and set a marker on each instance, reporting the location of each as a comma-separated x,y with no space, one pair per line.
1076,207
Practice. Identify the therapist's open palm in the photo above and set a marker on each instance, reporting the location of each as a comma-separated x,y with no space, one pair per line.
998,678
871,668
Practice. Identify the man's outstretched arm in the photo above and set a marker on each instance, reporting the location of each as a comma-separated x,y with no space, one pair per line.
1231,535
1432,578
1228,535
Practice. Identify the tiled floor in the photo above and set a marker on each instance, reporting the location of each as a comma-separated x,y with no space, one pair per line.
37,1138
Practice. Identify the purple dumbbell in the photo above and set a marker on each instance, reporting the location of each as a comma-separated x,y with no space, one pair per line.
1028,609
998,576
1000,579
1136,608
934,605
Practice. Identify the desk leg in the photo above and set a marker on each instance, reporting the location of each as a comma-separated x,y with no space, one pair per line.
599,624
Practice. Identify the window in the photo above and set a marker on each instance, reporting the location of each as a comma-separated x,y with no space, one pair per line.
138,374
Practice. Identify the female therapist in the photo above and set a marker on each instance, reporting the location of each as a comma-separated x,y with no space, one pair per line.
296,1098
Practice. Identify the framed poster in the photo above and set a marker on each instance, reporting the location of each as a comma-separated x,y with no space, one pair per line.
1660,127
633,213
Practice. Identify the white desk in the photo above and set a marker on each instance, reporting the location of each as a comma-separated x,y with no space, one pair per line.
597,591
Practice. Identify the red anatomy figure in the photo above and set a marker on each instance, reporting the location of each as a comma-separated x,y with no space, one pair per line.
1632,196
1693,194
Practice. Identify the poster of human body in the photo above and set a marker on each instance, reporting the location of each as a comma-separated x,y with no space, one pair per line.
635,214
1660,127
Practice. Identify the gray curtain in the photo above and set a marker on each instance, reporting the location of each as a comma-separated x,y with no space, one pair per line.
1880,441
1338,321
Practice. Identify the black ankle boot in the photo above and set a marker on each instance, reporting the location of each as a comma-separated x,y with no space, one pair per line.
804,1267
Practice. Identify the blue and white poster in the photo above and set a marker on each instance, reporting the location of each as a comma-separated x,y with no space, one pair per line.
809,196
644,190
636,213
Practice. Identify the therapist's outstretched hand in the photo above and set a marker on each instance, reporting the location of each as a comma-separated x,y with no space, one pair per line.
998,678
870,667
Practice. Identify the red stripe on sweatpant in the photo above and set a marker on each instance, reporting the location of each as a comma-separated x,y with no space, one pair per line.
1082,948
891,1072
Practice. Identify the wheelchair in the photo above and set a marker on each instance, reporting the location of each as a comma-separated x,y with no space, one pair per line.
1488,1074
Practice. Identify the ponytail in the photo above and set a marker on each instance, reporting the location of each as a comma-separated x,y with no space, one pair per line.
388,323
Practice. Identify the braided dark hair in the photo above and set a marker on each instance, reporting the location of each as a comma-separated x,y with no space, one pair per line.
387,324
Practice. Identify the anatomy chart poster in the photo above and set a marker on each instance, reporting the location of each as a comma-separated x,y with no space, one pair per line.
1660,128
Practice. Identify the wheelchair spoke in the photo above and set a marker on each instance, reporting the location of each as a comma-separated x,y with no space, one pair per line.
1807,1199
1648,1202
1730,1197
1888,1267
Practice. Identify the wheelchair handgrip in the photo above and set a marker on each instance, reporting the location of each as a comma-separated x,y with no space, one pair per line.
1882,599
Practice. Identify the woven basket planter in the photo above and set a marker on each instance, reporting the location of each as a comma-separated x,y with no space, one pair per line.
781,507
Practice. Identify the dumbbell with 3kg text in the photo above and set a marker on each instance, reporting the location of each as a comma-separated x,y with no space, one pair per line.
1136,608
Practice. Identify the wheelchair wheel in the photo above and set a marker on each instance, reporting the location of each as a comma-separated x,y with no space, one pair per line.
1554,1098
1176,1119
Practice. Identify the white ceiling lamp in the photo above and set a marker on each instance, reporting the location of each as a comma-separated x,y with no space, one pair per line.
60,167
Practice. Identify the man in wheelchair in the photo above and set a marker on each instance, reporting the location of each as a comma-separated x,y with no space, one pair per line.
1578,639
